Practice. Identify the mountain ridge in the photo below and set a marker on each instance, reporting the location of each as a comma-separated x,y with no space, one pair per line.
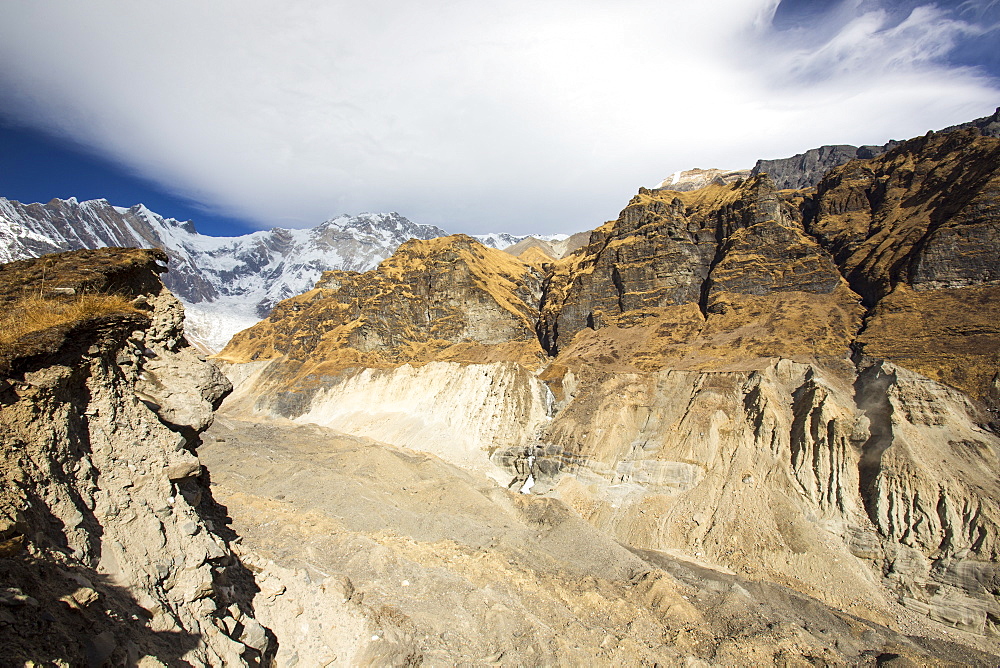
805,170
740,425
739,371
226,283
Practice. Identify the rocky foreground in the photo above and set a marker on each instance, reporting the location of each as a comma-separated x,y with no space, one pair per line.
111,548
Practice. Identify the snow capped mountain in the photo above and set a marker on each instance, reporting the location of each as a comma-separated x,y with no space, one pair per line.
502,240
497,240
226,283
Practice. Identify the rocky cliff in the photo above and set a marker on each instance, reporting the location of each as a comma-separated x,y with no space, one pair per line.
914,233
805,170
110,551
797,386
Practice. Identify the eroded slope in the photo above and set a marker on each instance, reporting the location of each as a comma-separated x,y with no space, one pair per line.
453,570
783,383
108,552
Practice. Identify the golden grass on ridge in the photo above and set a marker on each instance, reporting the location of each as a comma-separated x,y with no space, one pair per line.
34,313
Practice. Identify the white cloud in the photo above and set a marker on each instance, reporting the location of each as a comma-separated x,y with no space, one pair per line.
508,115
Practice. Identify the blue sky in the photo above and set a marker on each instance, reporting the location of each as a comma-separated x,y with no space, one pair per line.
35,167
509,116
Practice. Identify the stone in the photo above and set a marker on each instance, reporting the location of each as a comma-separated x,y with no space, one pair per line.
183,465
182,390
49,377
254,635
100,648
81,598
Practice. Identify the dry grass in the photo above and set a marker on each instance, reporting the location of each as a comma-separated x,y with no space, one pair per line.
33,313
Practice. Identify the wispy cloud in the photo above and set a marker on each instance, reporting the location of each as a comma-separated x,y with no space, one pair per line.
509,115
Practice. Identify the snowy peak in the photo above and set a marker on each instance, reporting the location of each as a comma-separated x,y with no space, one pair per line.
497,240
227,283
383,227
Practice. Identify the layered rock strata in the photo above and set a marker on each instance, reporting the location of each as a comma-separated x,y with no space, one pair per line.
110,554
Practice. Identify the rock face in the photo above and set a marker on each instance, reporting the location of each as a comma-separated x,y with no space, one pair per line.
805,170
795,386
686,271
109,553
914,234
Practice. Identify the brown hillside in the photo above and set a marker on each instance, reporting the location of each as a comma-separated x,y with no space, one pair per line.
449,298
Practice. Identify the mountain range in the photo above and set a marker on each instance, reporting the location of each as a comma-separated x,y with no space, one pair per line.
229,283
740,424
226,283
800,386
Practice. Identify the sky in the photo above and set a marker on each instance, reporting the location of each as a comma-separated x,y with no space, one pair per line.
507,116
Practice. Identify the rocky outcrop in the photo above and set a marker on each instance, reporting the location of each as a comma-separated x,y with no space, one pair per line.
923,215
805,170
684,272
987,126
653,256
110,549
914,232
